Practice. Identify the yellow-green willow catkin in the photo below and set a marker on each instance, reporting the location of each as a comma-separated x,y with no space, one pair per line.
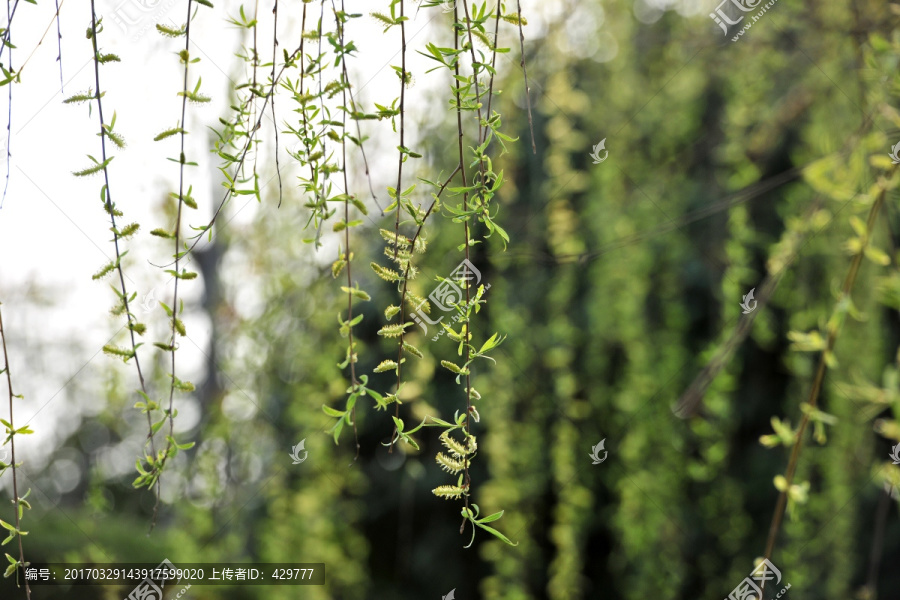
455,447
450,465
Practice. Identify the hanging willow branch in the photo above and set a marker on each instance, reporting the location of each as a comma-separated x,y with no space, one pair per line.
238,161
55,19
107,131
274,122
402,157
59,46
158,462
354,384
20,503
476,198
8,77
525,75
177,325
842,307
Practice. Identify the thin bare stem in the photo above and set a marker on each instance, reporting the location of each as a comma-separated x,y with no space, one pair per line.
362,148
253,111
9,18
55,19
351,354
12,443
10,14
59,46
402,131
474,74
321,25
525,75
300,49
275,123
493,61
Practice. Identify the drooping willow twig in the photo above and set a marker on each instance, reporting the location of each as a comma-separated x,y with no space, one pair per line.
8,46
359,137
525,76
10,14
176,327
813,398
12,442
403,294
354,384
399,202
304,118
467,94
475,71
59,46
490,93
41,41
106,132
402,157
255,63
466,340
274,122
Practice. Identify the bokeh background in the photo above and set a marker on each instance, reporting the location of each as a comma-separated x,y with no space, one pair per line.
732,166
